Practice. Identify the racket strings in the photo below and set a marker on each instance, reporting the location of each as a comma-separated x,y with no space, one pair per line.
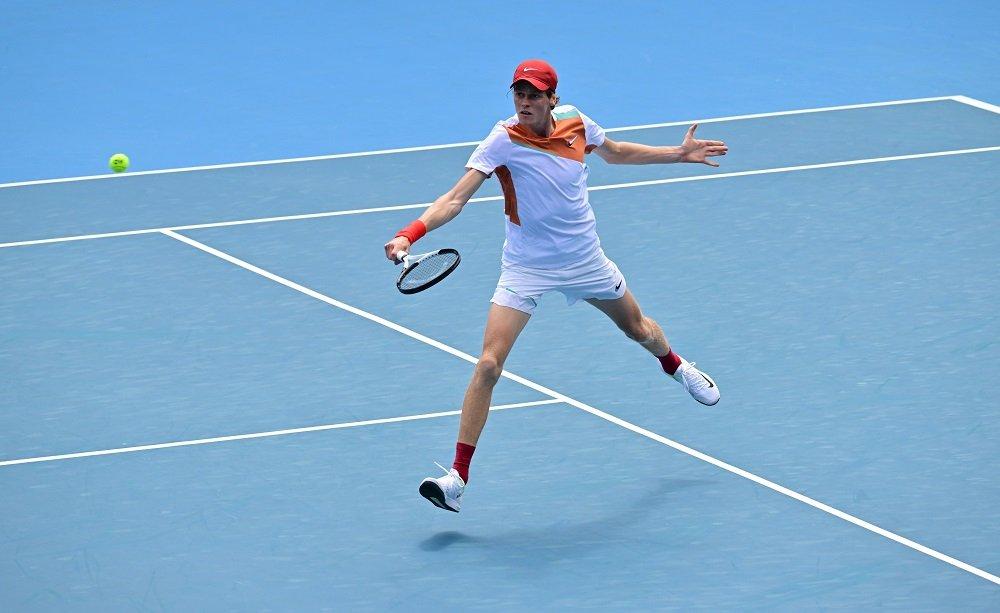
428,270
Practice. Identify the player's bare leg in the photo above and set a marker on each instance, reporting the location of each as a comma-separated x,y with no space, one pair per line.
503,325
627,315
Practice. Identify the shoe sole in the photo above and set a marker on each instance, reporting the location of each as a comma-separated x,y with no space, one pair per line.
710,380
431,491
710,404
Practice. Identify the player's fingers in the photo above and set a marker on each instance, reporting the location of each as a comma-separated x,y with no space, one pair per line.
711,163
690,132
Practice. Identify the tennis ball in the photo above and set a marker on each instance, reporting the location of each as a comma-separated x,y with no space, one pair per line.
118,162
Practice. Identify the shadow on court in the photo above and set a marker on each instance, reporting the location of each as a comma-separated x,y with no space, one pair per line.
556,542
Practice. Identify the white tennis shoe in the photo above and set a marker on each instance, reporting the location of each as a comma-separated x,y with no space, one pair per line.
445,492
701,387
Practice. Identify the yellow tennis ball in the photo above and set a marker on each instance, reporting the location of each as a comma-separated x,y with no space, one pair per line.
118,162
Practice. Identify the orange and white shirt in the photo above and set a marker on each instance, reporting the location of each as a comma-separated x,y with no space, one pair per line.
550,224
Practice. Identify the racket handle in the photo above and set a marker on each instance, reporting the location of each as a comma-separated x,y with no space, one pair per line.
401,257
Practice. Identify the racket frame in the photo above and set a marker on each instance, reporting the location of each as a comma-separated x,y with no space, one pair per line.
410,262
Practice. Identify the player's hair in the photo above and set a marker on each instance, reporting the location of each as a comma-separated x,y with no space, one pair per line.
551,93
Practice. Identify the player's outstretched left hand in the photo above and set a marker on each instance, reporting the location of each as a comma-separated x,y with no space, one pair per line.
698,151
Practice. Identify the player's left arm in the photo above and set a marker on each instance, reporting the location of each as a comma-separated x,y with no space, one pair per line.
691,150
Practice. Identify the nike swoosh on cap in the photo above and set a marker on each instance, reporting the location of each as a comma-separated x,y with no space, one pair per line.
527,69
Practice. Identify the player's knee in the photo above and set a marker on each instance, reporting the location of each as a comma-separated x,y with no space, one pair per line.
488,369
639,331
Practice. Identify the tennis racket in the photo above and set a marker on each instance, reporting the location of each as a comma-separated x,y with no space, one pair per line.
425,270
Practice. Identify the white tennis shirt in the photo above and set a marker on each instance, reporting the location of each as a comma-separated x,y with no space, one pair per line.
550,224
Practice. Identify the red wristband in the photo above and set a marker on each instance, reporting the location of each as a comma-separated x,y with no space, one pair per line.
414,231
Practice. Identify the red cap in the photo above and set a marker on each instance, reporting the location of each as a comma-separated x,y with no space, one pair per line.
539,73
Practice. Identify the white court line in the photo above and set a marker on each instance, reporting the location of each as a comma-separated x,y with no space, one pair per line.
242,222
335,156
241,437
593,411
596,188
767,171
977,103
843,107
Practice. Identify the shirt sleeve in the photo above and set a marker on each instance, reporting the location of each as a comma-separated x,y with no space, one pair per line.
492,152
594,133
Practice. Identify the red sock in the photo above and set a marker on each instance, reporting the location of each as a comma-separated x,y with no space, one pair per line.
463,457
670,362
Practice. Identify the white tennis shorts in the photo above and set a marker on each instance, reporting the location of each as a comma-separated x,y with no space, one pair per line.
520,288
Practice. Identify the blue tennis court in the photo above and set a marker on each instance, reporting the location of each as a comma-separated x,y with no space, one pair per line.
228,402
212,396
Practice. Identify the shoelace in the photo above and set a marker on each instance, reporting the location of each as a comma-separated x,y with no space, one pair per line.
447,472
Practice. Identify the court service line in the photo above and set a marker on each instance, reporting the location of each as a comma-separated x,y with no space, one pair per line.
241,437
334,156
977,103
594,411
596,188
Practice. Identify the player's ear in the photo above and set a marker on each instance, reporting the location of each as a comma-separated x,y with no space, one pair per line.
554,98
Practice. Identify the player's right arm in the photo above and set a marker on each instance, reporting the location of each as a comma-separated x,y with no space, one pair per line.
440,212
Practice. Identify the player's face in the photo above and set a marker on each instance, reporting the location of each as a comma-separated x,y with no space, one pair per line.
533,107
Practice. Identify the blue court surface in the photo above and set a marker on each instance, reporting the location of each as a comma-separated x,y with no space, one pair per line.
227,404
212,396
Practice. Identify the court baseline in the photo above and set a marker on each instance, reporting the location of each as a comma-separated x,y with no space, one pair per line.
334,156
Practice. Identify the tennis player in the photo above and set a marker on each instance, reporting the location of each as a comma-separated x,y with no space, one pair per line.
551,244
